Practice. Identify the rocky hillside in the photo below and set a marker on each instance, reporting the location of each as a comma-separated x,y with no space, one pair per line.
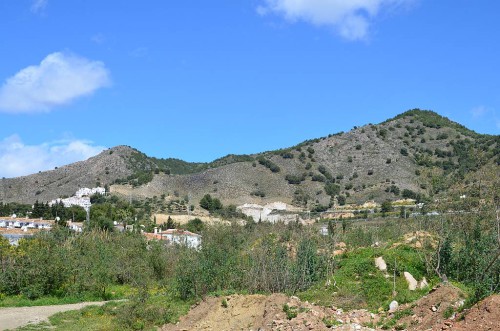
416,154
102,169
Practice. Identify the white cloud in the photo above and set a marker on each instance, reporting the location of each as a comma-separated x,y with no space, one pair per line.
19,159
38,6
59,79
350,18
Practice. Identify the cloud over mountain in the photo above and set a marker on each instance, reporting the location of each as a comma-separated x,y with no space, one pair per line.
59,79
18,158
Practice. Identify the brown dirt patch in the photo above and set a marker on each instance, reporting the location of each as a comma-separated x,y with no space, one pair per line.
260,312
242,313
429,311
483,316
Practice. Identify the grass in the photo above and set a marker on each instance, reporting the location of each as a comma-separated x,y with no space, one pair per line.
131,315
88,318
291,312
357,283
116,292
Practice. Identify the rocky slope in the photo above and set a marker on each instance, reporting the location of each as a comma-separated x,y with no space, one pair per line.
102,169
417,151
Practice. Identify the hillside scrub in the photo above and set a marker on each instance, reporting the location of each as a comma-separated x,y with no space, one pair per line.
261,258
439,153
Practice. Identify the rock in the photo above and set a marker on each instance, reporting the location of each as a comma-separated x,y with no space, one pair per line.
423,283
434,309
338,252
412,282
393,306
341,245
380,263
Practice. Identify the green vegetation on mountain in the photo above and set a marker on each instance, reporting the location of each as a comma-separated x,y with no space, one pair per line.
436,151
431,119
419,151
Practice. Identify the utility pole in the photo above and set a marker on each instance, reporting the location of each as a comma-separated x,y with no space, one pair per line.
394,279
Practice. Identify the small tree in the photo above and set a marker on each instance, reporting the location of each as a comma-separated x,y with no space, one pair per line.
195,225
170,223
386,207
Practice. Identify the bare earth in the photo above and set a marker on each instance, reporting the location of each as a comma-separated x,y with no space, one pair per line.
265,313
11,318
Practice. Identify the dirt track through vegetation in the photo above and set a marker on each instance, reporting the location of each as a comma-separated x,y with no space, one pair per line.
11,318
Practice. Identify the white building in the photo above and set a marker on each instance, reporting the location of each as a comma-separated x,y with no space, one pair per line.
83,202
81,198
175,236
271,212
86,192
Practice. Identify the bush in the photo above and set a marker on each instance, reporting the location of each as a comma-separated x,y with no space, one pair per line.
210,204
268,164
295,179
322,169
332,189
258,193
318,178
195,225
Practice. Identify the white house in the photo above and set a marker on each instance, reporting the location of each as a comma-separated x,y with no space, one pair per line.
182,237
73,201
175,236
81,198
86,192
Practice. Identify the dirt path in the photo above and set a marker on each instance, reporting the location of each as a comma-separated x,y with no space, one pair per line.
11,318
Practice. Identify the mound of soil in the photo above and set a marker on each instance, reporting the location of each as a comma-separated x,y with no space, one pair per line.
483,316
431,311
249,312
260,312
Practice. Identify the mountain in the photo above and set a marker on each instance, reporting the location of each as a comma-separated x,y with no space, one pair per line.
415,154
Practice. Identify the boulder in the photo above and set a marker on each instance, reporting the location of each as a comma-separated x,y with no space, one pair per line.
380,263
393,306
423,283
412,282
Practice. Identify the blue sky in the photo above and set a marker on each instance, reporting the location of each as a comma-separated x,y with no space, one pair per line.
197,80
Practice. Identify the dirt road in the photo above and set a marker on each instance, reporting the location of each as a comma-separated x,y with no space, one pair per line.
11,318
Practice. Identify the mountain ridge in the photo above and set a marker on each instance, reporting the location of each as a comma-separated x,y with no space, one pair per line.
418,151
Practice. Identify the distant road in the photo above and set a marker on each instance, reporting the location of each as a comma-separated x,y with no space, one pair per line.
11,318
